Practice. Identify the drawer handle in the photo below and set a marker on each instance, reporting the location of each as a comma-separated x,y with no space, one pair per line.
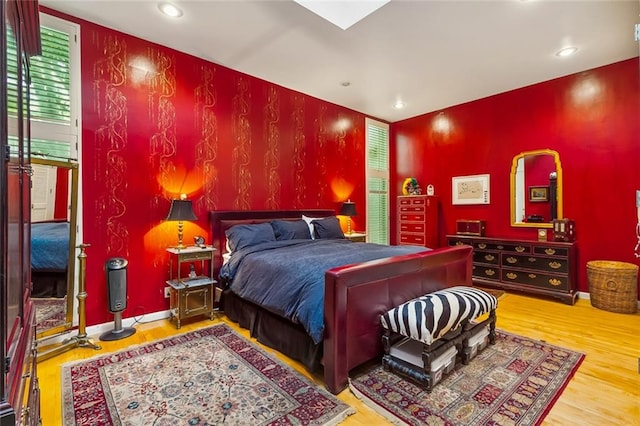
500,247
555,265
532,276
482,245
512,276
512,260
489,257
459,243
550,251
554,282
489,272
520,249
532,260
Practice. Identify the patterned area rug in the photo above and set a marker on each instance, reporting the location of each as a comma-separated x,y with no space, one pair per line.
205,377
514,382
49,312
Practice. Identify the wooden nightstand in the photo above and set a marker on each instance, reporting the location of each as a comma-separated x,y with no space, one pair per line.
358,237
191,290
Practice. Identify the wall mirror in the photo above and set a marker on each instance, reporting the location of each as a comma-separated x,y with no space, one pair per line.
536,188
54,210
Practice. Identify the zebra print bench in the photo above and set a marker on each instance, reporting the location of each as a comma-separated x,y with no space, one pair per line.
442,323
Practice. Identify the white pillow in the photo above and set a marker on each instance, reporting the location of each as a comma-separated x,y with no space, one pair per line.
311,227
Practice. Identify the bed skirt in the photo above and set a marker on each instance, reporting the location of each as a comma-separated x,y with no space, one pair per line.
272,330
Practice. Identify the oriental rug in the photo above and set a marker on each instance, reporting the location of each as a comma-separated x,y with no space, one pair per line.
514,382
206,377
49,312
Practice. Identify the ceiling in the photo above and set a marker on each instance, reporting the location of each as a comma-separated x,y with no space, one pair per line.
428,54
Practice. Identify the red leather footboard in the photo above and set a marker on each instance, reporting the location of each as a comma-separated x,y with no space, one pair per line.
355,297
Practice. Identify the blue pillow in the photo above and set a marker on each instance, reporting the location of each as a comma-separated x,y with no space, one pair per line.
328,227
291,230
241,236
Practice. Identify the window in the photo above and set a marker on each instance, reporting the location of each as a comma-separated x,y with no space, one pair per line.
53,93
377,161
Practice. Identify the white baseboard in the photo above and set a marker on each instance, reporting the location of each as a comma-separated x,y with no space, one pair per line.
95,331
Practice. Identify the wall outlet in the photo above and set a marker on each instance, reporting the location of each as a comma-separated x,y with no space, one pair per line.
166,292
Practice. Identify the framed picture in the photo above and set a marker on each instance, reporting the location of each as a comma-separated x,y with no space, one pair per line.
472,189
538,194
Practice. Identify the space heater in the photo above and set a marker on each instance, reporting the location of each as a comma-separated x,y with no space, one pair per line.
116,275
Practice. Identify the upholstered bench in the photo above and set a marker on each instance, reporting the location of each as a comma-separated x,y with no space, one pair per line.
423,337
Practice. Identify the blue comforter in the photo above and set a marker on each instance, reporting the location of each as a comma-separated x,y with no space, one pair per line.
287,277
50,246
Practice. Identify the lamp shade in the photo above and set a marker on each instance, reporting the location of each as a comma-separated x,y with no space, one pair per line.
348,209
181,210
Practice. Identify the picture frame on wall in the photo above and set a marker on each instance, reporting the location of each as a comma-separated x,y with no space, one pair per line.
472,189
538,194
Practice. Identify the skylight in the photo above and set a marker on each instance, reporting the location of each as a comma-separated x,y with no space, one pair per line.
343,13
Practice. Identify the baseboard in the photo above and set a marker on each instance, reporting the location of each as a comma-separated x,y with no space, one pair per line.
96,330
587,296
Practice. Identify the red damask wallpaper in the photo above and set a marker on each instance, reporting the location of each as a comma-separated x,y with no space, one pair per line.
157,123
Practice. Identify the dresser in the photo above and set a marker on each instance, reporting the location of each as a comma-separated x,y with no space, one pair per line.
418,220
536,267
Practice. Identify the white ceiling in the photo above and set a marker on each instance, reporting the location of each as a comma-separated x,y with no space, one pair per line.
429,54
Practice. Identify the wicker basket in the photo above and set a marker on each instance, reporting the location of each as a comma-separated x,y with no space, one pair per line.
613,285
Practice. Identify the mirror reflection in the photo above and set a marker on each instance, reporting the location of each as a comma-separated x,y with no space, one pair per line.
54,192
536,188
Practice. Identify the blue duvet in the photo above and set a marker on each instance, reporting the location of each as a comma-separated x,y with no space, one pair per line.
287,277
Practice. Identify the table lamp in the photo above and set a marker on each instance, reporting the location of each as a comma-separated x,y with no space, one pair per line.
180,211
348,209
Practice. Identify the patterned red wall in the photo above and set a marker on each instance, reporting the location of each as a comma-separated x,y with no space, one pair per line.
158,123
590,118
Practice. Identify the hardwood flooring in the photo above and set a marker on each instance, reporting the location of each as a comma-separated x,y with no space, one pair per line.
604,391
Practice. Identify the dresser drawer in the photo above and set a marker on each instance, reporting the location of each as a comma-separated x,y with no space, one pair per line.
417,239
558,265
492,258
514,248
486,272
412,217
411,227
412,201
551,251
411,209
536,279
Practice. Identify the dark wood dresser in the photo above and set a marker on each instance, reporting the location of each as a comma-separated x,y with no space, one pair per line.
418,220
537,267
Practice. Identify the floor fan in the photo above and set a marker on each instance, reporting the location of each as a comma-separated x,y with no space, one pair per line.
116,274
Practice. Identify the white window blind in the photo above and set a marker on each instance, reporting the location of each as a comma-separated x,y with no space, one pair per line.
377,160
53,98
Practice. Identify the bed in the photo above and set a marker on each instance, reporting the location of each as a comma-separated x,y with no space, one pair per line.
49,258
354,296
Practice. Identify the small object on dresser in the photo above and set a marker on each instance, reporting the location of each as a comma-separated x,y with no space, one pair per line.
564,230
430,190
542,234
471,227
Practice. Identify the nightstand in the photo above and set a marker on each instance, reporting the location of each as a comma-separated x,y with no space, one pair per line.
191,284
359,237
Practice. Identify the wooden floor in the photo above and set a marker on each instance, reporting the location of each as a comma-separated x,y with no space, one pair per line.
604,391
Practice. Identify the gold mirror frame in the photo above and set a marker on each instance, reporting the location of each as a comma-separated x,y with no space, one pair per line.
71,267
515,192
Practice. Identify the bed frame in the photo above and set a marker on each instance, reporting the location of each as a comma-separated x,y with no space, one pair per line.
355,297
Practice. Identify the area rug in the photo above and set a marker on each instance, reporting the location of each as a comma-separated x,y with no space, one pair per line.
205,377
49,312
514,382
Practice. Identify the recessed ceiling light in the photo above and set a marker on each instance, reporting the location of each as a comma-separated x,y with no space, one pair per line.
567,51
399,105
170,10
346,83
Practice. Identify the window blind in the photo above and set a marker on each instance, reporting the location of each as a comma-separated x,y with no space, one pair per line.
377,142
53,125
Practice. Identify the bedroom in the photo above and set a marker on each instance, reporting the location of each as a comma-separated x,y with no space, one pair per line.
598,148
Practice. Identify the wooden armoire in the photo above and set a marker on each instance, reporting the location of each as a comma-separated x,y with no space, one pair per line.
19,391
